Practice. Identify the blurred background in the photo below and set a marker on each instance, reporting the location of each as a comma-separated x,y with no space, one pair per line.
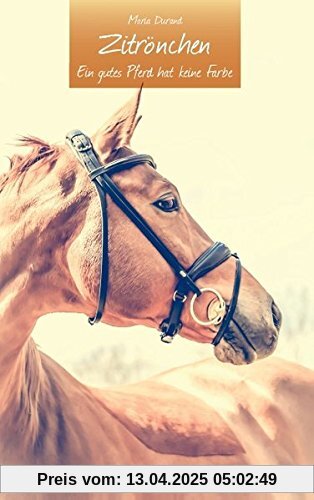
242,159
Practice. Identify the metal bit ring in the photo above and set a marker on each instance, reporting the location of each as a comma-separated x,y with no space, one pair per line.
221,309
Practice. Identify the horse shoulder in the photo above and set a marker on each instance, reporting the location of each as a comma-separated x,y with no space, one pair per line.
172,421
262,403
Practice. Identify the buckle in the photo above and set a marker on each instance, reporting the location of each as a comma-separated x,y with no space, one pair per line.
81,143
179,297
167,339
166,335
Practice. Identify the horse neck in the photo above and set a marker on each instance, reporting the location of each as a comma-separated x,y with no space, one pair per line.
20,303
34,216
34,404
17,320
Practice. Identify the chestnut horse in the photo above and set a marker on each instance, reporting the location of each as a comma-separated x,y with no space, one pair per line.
50,260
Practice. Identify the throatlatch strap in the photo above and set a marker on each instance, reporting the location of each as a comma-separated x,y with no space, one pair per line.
88,157
103,285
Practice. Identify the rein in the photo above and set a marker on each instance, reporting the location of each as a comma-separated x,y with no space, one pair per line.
218,312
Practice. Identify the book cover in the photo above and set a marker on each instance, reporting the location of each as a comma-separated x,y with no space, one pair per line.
156,282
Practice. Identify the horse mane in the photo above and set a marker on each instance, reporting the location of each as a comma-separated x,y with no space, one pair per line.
23,412
29,395
21,164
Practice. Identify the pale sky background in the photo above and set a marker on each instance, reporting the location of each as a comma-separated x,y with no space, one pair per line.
242,159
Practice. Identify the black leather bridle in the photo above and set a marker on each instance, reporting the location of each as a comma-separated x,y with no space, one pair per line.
213,257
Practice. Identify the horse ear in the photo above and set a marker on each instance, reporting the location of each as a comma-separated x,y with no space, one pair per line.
118,131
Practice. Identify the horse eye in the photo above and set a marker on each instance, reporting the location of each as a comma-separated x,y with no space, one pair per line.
167,204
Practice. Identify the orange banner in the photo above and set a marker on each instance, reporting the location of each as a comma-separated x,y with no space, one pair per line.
168,43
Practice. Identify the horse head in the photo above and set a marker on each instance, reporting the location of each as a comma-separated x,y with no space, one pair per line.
54,222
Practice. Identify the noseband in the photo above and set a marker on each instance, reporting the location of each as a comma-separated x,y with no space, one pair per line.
218,312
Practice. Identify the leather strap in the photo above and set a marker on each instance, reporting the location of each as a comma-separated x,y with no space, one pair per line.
123,164
104,266
88,157
213,257
233,303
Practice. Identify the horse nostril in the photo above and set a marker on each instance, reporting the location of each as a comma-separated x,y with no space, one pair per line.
277,317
